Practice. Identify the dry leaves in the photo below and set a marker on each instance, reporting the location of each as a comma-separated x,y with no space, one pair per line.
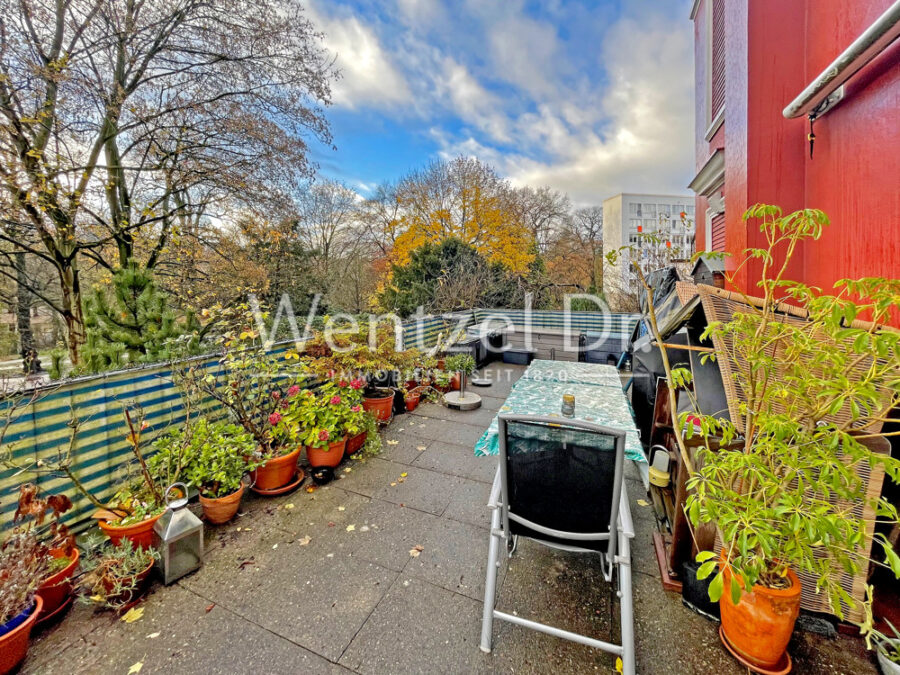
420,448
392,442
416,550
135,668
133,614
305,540
153,635
288,506
643,502
350,528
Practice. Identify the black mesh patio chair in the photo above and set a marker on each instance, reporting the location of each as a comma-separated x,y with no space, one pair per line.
560,483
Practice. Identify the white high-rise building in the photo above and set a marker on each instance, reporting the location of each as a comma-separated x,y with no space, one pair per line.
627,216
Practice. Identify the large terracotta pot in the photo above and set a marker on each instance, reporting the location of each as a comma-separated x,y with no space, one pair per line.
759,627
355,443
135,587
330,456
140,534
218,510
57,589
14,644
276,472
381,406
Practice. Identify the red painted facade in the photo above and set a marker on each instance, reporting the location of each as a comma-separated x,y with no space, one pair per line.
774,49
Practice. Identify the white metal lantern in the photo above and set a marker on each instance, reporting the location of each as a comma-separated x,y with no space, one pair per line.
179,537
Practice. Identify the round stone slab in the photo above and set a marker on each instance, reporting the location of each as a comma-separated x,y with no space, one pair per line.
453,400
481,382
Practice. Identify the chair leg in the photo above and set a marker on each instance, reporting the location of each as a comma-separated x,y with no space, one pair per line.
513,545
490,583
627,610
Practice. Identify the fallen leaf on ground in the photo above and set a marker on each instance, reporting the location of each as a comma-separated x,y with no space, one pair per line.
135,668
209,608
342,508
288,506
364,528
404,475
392,442
348,469
133,614
416,550
305,540
420,448
311,488
274,546
643,502
350,528
393,484
153,635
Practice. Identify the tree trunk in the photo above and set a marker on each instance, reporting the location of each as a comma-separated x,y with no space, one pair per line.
73,314
24,299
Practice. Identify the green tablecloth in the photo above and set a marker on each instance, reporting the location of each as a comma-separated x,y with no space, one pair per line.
604,405
542,370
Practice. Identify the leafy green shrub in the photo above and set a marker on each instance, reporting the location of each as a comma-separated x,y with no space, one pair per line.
460,363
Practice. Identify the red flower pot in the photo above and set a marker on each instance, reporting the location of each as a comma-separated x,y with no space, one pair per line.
330,456
14,644
133,588
454,382
276,472
140,534
381,406
57,589
412,402
218,510
355,444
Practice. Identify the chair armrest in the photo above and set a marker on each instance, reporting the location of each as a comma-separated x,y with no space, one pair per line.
625,523
494,500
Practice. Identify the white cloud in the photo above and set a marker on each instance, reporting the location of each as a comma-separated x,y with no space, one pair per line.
471,101
368,76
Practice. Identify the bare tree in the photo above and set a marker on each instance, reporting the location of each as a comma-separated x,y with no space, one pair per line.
544,211
123,117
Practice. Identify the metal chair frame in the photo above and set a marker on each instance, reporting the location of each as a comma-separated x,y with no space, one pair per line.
615,561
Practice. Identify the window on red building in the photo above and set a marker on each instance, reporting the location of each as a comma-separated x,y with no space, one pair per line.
717,59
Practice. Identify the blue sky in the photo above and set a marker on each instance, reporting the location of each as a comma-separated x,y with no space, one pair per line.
591,98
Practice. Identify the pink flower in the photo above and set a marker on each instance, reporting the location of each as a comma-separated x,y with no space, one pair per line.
356,408
293,389
285,405
357,383
276,395
335,400
324,435
342,383
274,418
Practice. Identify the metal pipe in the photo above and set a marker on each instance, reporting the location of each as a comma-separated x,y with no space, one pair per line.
866,47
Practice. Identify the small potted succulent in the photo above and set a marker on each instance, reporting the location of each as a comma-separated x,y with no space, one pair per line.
116,575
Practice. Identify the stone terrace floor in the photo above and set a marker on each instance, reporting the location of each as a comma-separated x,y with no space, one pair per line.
354,599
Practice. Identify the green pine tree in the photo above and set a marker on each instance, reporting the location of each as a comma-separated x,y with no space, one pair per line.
132,322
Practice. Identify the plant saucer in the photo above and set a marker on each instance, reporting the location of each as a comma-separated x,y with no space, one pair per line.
284,489
783,667
52,617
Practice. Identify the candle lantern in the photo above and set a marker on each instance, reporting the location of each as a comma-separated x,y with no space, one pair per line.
179,537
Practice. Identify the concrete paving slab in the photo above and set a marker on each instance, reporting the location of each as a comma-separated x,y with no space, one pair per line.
420,489
419,628
457,460
384,533
320,607
469,504
450,431
454,557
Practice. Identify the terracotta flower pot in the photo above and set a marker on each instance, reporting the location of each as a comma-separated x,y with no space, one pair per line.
355,443
381,406
218,510
135,587
331,456
412,402
14,643
276,472
454,382
57,588
140,534
759,627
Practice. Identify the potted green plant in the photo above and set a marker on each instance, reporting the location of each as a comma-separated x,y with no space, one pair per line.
116,576
461,365
784,488
887,647
320,422
215,456
253,384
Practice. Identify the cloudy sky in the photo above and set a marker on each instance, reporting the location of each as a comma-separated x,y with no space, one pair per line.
590,97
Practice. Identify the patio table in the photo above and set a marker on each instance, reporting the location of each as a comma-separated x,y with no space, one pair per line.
598,403
603,375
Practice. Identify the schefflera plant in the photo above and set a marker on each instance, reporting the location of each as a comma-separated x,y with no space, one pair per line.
788,492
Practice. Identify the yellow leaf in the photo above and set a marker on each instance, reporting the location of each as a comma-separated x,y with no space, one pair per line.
133,614
416,550
643,502
350,528
392,442
135,668
403,475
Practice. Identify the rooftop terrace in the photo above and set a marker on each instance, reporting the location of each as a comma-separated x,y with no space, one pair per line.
329,581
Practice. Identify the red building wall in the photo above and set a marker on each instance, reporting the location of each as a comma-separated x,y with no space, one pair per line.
774,49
